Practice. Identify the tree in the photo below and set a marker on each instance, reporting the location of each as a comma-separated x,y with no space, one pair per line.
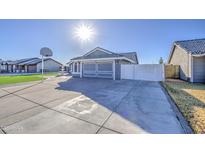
161,61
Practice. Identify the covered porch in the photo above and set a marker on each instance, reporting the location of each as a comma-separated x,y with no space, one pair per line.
93,68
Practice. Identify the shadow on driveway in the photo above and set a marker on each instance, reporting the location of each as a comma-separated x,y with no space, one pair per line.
123,105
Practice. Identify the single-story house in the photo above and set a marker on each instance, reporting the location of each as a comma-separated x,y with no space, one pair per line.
30,65
4,66
101,63
190,56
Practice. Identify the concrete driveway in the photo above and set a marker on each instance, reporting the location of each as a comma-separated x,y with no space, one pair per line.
67,105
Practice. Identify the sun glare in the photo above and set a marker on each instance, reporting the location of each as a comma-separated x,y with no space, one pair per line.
84,33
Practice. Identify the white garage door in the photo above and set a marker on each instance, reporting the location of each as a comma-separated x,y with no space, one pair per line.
199,69
99,70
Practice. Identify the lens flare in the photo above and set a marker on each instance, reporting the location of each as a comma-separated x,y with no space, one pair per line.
84,33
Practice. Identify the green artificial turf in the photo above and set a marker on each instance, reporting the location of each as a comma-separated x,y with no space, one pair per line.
23,78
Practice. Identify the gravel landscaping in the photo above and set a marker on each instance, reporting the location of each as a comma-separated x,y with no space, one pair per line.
190,99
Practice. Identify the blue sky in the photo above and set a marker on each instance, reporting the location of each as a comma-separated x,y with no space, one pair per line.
151,39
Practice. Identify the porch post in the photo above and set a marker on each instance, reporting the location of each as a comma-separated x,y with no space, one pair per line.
191,68
81,70
78,67
113,69
14,68
73,66
26,68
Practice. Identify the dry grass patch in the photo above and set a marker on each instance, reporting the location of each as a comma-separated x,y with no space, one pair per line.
190,99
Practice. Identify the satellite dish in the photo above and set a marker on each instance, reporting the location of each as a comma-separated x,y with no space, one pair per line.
46,52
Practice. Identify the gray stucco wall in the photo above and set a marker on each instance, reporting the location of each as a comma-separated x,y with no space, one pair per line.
49,65
181,58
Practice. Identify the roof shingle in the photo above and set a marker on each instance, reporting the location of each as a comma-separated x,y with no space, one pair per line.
129,55
195,47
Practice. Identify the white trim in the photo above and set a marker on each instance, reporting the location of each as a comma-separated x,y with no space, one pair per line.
191,75
201,55
98,48
113,69
192,72
75,72
73,67
99,62
81,70
77,67
189,66
112,58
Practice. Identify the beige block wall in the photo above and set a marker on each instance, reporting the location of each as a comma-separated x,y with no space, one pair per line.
181,58
171,71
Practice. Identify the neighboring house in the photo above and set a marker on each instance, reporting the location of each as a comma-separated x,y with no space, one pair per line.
30,65
101,63
190,56
6,66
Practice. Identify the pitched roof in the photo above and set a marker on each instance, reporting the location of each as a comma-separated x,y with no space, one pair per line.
31,62
27,61
130,55
195,47
3,62
36,61
24,60
15,62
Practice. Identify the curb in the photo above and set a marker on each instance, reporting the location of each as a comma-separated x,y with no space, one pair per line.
185,125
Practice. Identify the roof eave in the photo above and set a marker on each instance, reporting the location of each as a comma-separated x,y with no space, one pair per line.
171,52
111,58
98,48
198,55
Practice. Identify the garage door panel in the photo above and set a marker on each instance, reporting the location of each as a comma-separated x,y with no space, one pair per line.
199,69
89,67
104,70
105,67
104,74
89,74
99,70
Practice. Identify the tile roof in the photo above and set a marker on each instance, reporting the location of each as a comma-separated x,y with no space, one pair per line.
195,47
